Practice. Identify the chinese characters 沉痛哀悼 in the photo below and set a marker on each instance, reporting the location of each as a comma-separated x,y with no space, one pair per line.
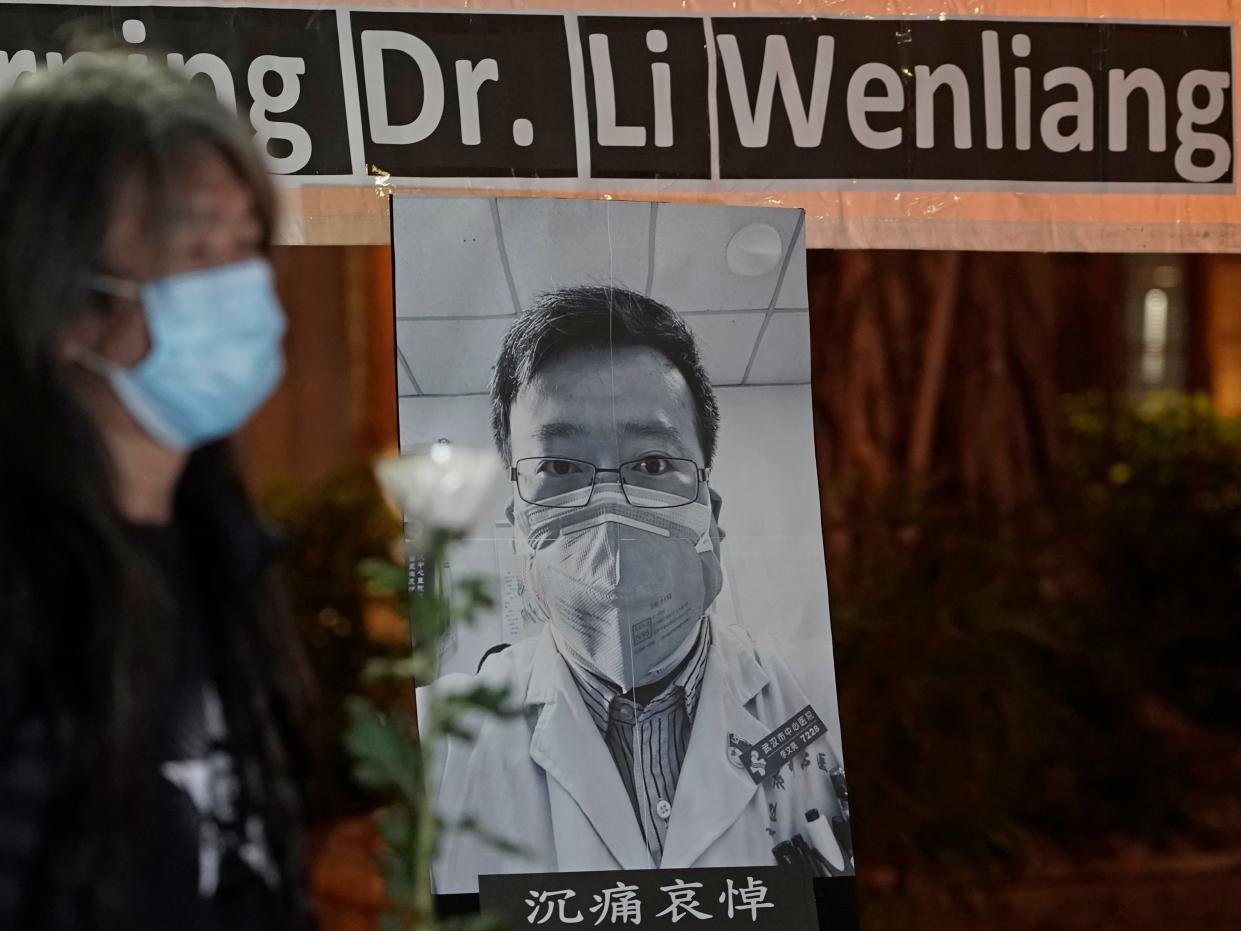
622,903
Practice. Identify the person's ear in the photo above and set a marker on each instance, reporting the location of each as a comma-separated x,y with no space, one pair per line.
508,512
717,505
69,351
77,338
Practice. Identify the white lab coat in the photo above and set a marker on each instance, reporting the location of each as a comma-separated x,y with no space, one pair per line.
545,781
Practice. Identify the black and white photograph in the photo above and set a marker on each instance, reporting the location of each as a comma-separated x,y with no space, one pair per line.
660,624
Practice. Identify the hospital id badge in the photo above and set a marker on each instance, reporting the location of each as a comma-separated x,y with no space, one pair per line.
765,757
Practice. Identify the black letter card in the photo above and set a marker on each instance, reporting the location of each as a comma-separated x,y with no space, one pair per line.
761,898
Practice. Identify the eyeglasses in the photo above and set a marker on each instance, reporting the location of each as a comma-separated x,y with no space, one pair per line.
650,482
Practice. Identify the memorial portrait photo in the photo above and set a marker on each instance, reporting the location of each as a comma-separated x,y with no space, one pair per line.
661,624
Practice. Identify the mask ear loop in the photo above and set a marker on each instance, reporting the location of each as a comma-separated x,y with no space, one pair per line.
110,286
113,286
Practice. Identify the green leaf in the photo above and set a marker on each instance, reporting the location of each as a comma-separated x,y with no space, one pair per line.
383,576
416,667
487,921
448,712
397,920
503,844
475,595
398,826
398,877
481,697
382,745
428,618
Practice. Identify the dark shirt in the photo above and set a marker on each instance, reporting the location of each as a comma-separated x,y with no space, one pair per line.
201,861
648,742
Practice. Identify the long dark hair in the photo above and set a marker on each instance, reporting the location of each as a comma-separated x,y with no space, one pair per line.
79,633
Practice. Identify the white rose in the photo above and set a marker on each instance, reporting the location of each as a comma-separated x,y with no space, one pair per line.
444,487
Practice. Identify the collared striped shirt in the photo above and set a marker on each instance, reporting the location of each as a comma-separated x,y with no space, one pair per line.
648,743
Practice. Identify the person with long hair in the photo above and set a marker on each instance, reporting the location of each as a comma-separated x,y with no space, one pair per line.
150,698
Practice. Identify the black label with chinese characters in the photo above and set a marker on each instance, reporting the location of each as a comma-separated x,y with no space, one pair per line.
765,757
762,898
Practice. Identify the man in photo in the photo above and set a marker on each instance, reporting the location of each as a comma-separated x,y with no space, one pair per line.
645,734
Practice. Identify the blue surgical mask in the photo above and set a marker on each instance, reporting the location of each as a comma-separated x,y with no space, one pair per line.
215,351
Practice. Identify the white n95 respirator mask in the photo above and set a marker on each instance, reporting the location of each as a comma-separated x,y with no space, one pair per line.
622,588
